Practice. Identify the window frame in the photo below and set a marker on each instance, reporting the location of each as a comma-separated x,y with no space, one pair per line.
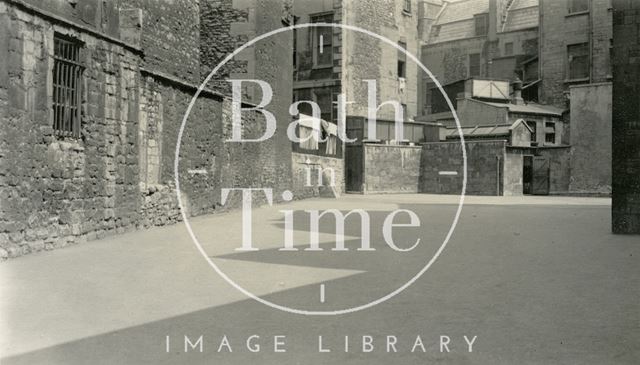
570,59
315,39
67,86
547,134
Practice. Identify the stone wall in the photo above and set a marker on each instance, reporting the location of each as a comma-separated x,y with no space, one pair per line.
391,169
372,59
591,139
626,118
170,36
119,174
485,161
302,163
54,192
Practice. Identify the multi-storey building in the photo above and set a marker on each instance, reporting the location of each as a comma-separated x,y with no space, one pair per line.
330,61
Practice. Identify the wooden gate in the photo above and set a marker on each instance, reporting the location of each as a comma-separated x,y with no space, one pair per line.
540,178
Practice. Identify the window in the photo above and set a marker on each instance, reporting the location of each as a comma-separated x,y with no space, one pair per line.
322,41
508,49
67,86
474,64
407,6
402,61
550,132
323,99
482,24
578,61
534,127
577,6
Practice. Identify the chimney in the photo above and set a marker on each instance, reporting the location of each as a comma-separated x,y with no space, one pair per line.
494,19
517,92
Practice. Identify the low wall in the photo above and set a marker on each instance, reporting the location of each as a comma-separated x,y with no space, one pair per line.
391,168
442,167
302,163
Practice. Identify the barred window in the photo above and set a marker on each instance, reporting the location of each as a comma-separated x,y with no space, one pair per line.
67,86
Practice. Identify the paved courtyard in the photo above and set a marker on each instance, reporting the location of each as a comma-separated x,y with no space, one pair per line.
538,280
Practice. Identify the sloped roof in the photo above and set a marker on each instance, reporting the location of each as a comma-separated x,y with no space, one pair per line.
484,131
522,14
462,10
456,20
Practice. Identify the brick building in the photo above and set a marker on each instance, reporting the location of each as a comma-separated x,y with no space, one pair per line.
91,96
626,117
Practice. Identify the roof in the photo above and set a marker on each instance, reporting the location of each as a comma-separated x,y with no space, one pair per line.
456,19
456,11
530,108
484,131
522,14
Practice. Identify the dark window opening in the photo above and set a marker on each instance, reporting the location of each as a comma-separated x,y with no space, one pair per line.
67,86
550,132
578,61
402,61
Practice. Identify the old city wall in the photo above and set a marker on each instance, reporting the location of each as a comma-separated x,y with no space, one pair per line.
54,192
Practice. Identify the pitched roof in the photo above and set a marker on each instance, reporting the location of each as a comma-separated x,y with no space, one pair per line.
522,14
456,11
484,131
456,19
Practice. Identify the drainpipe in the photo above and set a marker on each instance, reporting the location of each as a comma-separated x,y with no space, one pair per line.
590,41
498,159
